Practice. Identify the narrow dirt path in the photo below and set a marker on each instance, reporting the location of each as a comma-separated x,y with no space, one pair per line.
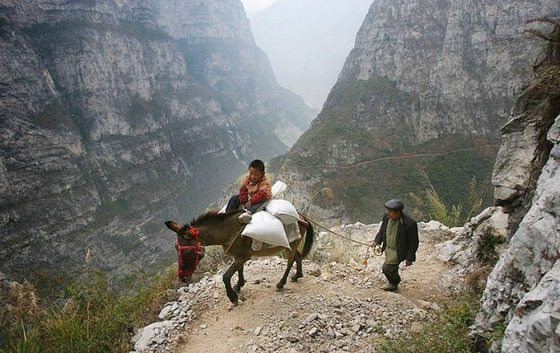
335,307
393,158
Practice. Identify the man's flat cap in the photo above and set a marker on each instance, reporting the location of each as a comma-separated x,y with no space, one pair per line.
394,204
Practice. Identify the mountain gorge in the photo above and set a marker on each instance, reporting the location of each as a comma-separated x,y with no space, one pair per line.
118,115
307,42
419,103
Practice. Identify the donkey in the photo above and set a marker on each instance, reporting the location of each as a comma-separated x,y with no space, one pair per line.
214,228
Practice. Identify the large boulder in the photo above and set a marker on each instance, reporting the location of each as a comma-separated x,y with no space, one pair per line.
475,246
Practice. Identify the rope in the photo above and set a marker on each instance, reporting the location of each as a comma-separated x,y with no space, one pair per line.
233,239
337,234
376,247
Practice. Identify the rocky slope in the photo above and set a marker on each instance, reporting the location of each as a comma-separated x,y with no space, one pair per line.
420,100
118,115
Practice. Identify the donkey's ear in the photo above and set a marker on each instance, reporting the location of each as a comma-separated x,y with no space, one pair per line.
173,226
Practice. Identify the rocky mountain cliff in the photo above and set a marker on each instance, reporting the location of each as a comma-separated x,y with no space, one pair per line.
118,115
523,291
519,307
419,102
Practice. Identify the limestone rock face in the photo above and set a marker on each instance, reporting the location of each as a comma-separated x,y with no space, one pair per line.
422,94
471,252
523,153
116,116
522,290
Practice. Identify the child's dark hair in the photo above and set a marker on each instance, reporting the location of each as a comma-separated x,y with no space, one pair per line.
257,164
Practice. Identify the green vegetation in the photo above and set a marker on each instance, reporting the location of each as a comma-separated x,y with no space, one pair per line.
432,206
448,333
497,334
486,250
71,30
338,119
94,318
364,187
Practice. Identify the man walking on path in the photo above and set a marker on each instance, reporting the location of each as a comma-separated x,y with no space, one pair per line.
398,237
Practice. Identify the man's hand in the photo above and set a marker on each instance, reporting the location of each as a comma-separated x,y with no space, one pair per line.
408,263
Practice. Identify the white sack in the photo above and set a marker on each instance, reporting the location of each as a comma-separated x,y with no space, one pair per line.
283,210
266,228
223,209
278,188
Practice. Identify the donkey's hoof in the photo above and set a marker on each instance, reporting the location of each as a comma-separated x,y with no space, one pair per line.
233,297
279,286
294,278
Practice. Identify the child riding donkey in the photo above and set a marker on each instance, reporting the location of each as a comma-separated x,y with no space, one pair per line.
255,191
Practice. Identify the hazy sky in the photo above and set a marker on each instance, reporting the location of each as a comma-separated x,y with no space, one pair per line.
253,6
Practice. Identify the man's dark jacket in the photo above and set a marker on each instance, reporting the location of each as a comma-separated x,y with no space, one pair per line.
407,237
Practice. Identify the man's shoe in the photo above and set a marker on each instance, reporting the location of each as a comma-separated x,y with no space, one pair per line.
391,288
245,218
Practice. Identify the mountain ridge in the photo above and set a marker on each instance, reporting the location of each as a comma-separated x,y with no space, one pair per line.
440,75
115,117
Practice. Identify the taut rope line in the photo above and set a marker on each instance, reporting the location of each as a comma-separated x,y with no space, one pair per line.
376,247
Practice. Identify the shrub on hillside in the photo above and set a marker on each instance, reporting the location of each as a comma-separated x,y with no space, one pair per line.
431,206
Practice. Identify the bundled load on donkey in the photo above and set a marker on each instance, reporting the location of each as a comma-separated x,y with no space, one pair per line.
245,225
270,221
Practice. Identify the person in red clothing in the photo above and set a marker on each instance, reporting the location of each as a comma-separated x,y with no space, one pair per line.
254,192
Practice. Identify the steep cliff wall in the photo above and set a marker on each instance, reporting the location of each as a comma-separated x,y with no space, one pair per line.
421,97
111,123
522,292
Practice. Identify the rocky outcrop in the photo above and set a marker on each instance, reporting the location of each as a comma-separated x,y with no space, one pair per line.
524,150
473,250
521,294
522,291
421,96
116,116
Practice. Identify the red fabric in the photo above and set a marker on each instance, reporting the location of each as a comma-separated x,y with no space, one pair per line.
262,185
197,248
243,194
259,196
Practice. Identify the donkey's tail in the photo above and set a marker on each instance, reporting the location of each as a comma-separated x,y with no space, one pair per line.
309,235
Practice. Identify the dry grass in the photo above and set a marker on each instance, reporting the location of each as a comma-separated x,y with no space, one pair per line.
331,248
93,318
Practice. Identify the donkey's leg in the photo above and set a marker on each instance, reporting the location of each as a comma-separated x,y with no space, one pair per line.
235,266
240,280
282,282
299,269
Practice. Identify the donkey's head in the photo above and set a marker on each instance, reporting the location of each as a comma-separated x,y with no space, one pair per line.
189,249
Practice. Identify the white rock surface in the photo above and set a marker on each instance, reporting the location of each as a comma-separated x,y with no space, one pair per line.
152,334
523,287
